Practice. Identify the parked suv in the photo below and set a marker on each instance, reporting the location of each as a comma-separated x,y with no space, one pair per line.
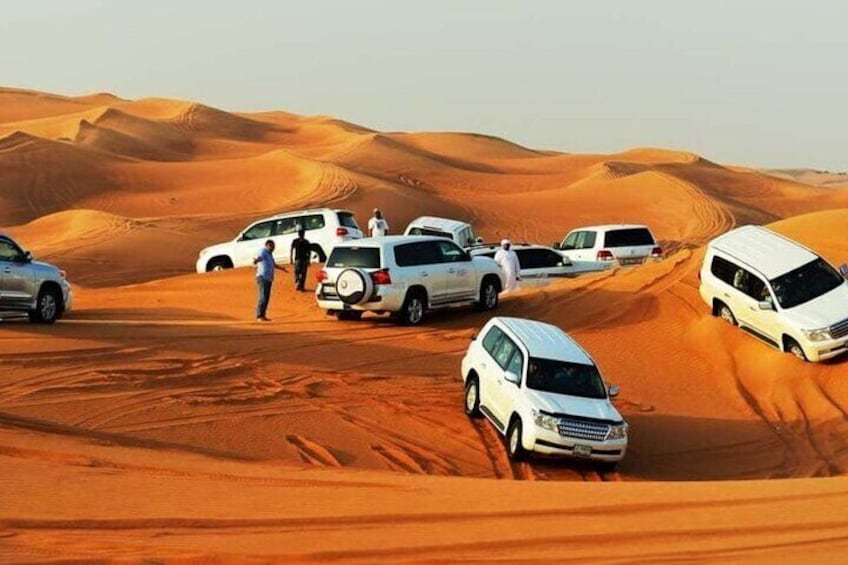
39,289
405,276
777,291
324,229
543,392
625,244
461,233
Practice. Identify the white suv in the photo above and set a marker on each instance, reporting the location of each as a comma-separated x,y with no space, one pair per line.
543,392
324,228
405,276
457,231
777,291
626,244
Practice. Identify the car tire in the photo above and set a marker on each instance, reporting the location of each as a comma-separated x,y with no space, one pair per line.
219,264
472,397
794,348
489,295
349,315
607,466
354,286
48,307
724,312
413,310
514,448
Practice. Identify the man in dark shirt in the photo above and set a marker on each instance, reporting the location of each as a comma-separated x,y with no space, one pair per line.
301,255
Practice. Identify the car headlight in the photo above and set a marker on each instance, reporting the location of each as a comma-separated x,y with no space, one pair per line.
822,334
546,422
618,432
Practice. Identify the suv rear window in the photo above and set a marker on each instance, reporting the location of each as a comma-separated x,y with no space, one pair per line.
630,237
428,231
354,257
347,220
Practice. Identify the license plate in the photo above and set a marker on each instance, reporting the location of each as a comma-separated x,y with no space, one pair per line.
631,261
582,450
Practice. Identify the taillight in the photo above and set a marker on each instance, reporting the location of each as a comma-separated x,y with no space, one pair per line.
656,252
321,275
604,255
381,277
342,231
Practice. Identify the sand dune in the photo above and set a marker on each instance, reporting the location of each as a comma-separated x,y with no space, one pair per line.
157,422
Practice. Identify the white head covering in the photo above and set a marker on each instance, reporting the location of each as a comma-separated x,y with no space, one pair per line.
505,242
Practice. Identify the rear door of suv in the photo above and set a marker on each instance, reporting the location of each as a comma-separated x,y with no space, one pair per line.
420,262
630,246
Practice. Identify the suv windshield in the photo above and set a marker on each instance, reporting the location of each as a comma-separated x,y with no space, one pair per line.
630,237
805,283
347,220
562,377
354,257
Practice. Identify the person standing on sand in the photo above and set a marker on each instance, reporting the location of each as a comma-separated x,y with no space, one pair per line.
507,260
265,266
300,256
377,225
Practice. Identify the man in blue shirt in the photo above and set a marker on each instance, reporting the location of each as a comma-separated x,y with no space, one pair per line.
265,266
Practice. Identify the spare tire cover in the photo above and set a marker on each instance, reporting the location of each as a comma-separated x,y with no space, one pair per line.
354,286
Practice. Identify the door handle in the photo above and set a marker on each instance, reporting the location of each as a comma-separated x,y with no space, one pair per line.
482,365
451,270
724,294
425,274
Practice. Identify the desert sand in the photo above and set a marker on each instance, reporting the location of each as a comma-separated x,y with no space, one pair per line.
159,422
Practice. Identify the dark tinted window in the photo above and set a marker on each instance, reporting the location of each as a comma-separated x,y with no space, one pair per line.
425,231
492,339
739,278
538,258
9,251
629,237
504,351
806,283
451,253
355,257
561,377
723,269
347,220
259,231
418,253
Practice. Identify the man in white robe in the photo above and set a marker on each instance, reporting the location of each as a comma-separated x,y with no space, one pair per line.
507,259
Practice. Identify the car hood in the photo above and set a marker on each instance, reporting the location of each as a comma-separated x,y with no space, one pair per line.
821,312
597,408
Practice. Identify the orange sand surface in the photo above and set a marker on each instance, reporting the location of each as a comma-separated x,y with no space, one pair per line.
157,421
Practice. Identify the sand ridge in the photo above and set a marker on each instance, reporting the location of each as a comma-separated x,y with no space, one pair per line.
159,390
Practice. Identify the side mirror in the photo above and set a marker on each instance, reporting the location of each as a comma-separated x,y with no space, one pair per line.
27,257
613,391
843,268
474,337
512,377
556,245
765,305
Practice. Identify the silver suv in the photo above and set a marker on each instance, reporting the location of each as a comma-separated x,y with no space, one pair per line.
39,289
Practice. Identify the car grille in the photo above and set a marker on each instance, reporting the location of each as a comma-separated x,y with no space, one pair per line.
839,330
580,429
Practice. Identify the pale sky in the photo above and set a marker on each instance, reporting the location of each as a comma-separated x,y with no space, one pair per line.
760,83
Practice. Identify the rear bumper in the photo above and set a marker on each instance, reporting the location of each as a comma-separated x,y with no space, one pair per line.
384,299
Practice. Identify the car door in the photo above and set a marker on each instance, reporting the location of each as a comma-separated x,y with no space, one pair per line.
460,277
17,279
251,241
284,232
753,291
502,391
429,270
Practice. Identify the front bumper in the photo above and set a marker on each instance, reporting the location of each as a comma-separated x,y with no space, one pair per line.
547,442
824,350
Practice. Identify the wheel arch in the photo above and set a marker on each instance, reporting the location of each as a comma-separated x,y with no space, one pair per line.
225,259
52,285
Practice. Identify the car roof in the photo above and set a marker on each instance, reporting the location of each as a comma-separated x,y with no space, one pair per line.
545,341
609,227
299,212
389,240
444,224
764,250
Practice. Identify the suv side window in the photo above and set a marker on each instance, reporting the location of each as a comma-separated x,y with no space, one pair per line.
418,253
723,269
516,364
313,222
9,251
739,278
259,231
585,240
286,226
571,241
492,340
450,252
504,351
